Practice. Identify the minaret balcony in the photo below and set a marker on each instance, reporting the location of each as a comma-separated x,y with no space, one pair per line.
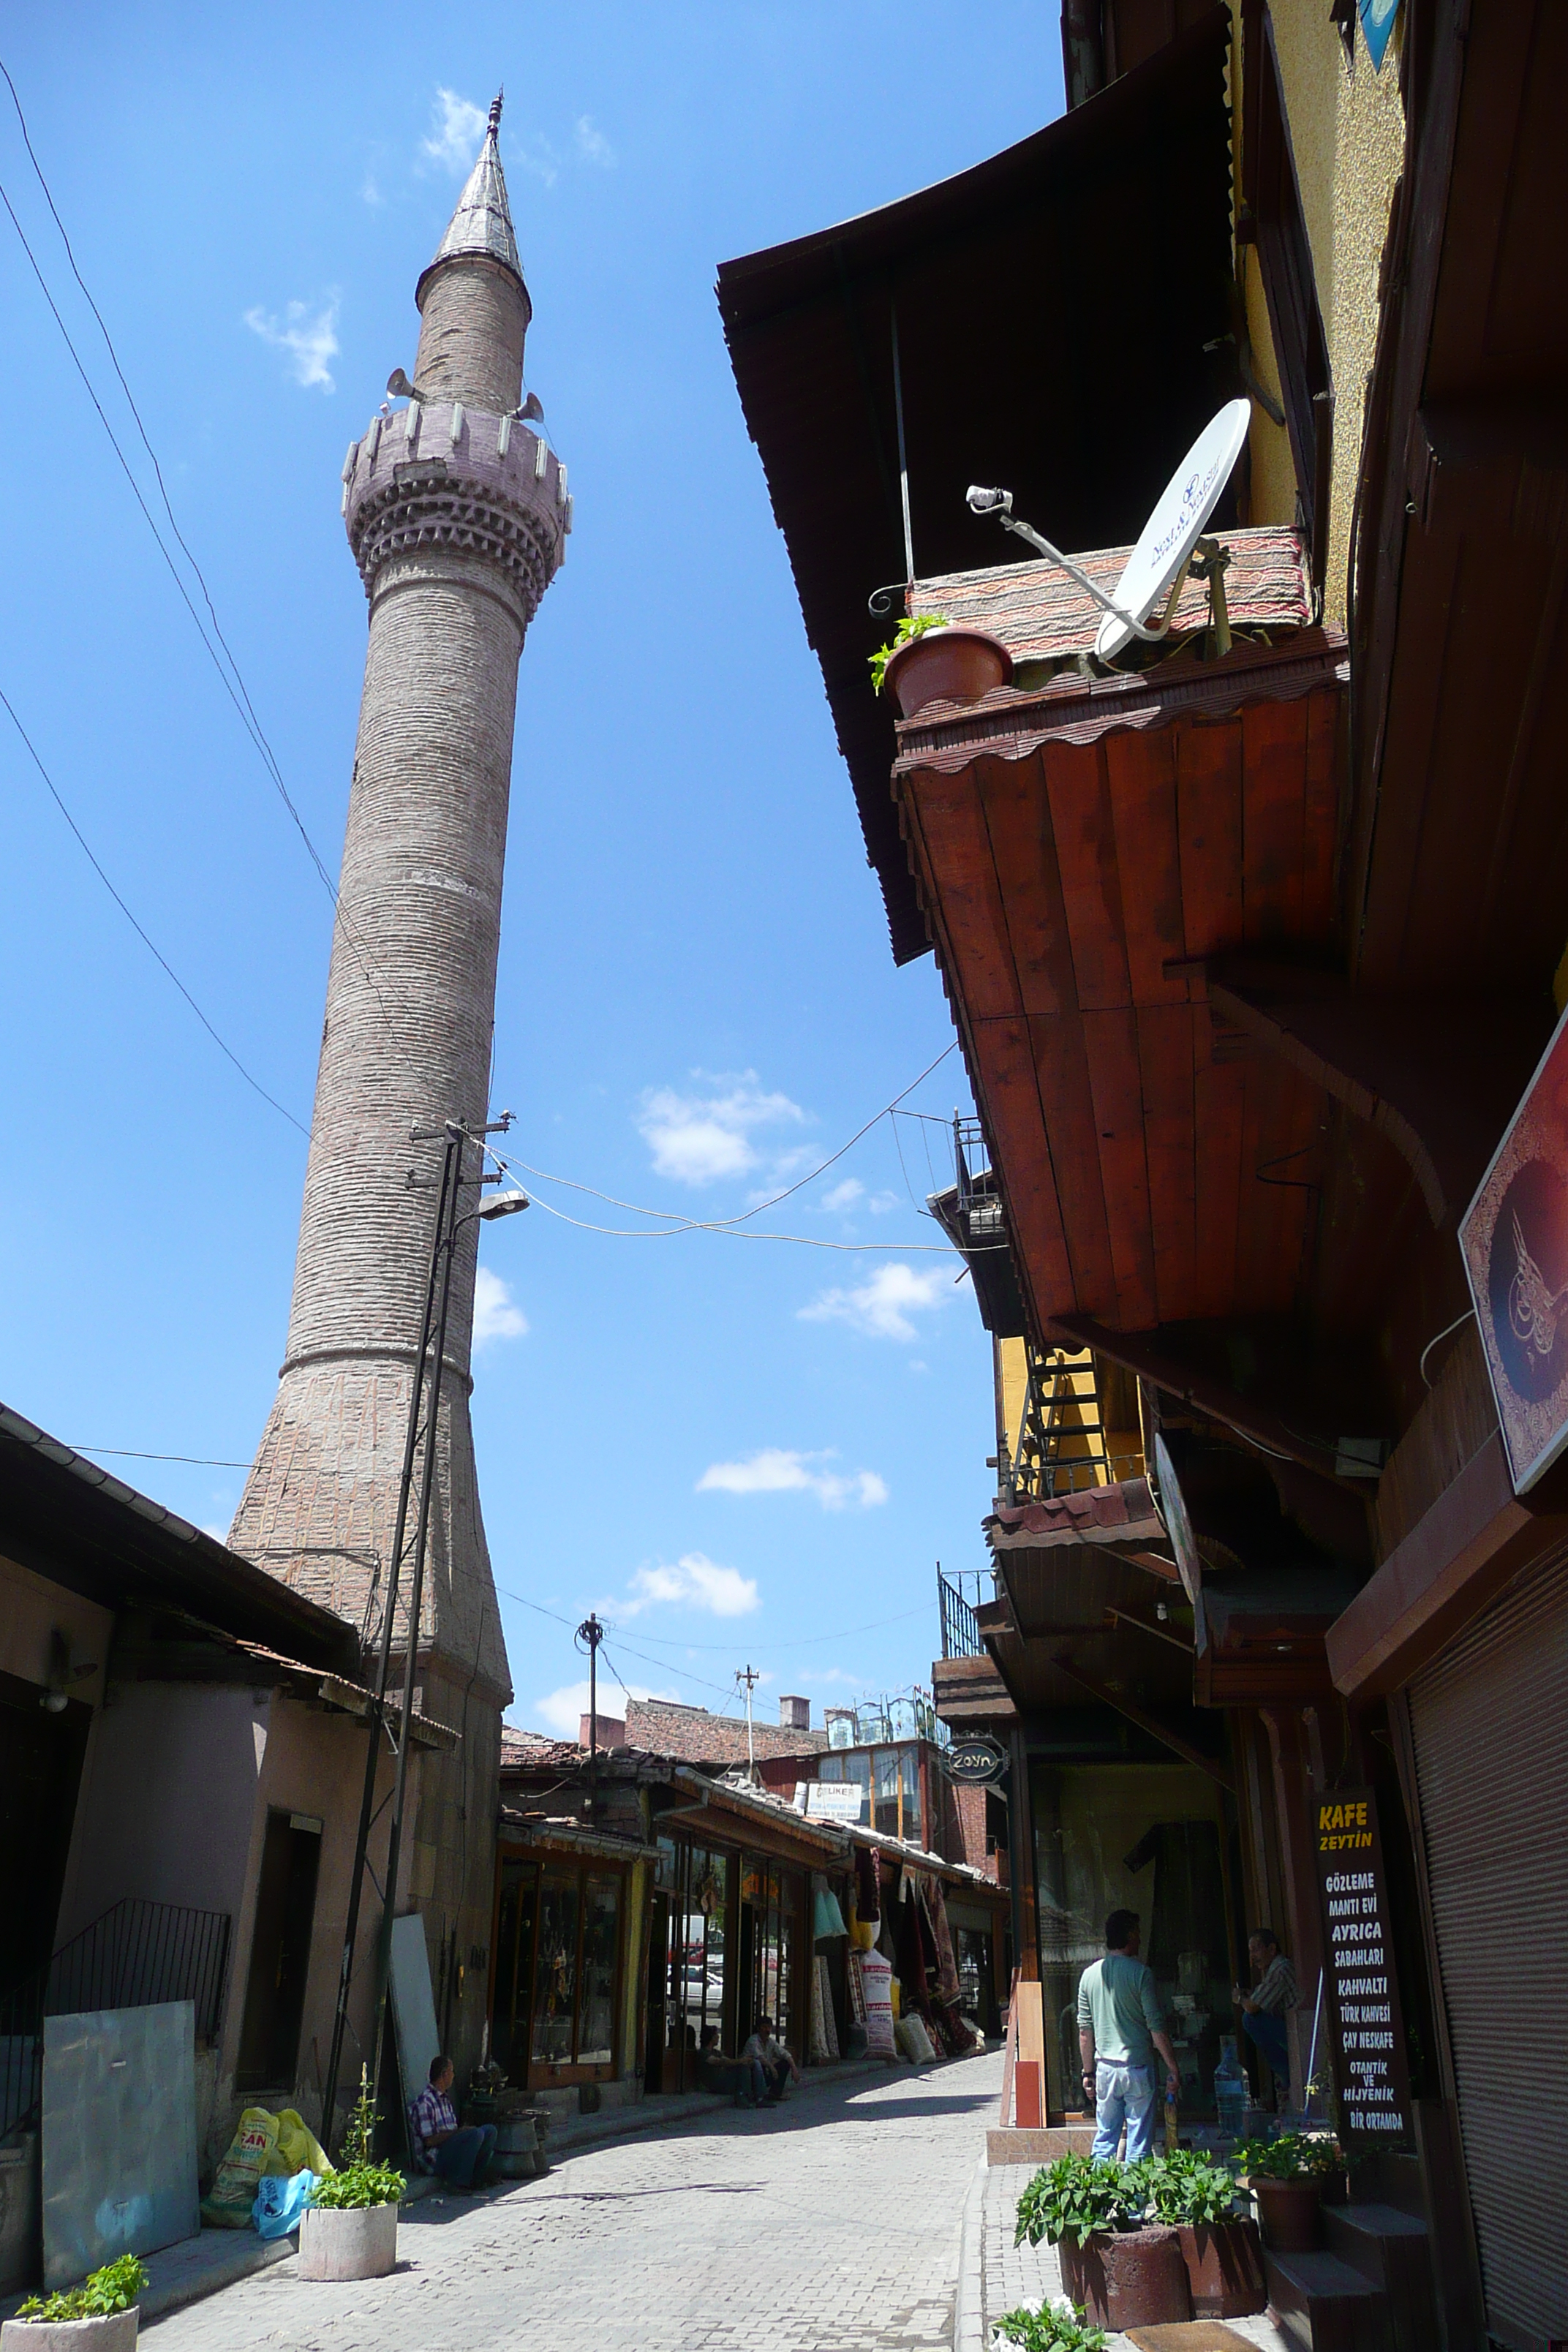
443,475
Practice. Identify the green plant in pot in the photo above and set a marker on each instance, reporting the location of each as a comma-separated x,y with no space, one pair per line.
1077,2199
113,2289
360,2181
1201,2201
912,625
349,2230
1054,2328
1290,2176
932,660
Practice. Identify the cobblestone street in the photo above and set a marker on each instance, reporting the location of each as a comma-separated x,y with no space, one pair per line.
828,2225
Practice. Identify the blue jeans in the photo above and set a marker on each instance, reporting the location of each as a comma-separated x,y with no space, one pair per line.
1123,2094
463,2161
1269,2033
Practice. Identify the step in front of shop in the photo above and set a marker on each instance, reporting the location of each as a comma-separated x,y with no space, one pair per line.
1322,2305
1392,2251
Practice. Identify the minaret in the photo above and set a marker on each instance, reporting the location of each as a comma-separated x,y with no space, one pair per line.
457,514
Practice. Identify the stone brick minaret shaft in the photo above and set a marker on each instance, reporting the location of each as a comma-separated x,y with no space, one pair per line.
456,515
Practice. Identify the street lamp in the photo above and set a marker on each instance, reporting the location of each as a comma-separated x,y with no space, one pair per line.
454,1135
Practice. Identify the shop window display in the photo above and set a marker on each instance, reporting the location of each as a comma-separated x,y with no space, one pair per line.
557,1968
1148,1838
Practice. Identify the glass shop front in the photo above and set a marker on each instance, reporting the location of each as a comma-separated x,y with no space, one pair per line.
1149,1838
726,1931
558,1964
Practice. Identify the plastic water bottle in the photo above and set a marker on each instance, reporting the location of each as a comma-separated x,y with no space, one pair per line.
1230,2089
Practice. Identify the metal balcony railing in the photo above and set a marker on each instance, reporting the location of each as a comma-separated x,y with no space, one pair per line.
136,1954
960,1632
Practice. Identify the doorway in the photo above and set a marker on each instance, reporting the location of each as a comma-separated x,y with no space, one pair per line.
657,1993
279,1953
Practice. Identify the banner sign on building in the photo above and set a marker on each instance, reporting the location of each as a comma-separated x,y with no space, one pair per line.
1361,1989
1514,1241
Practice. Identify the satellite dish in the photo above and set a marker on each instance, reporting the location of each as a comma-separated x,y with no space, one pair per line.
1173,530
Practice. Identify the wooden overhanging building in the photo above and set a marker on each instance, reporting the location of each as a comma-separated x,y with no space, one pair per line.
1252,954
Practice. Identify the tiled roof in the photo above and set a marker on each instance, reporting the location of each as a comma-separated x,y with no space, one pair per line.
1123,1513
519,1748
695,1736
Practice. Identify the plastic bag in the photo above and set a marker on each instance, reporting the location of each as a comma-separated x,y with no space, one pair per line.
913,2040
228,2204
280,2203
297,2148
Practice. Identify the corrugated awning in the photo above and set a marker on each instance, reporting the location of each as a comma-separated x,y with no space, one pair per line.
1053,309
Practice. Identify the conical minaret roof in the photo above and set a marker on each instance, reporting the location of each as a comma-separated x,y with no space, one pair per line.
482,221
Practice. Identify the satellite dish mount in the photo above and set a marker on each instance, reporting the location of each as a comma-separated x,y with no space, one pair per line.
1170,544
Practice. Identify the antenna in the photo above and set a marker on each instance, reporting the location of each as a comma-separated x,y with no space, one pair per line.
1158,564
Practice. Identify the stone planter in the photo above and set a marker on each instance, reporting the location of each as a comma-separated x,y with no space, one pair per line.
1128,2278
1225,2269
351,2241
946,664
115,2333
1289,2215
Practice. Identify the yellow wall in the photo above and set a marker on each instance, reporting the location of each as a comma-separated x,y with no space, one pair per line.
1347,133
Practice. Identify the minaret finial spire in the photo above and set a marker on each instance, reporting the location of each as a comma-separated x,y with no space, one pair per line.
495,113
482,221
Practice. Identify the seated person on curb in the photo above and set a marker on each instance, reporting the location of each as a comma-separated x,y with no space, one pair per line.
768,2052
459,2157
744,2079
1120,2027
1265,2009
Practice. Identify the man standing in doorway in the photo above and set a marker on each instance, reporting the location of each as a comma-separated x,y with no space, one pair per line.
1120,2027
1264,2010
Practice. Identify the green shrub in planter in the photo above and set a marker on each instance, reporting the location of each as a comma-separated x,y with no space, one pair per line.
1294,2156
1050,2330
362,2180
113,2288
1185,2189
1076,2198
912,625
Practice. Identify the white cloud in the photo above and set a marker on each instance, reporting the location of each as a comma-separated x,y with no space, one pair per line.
698,1139
592,146
310,338
773,1471
563,1710
880,1307
217,1529
844,1195
456,127
881,1202
699,1582
495,1317
538,157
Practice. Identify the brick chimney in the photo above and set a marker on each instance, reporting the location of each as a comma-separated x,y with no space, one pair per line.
795,1714
612,1731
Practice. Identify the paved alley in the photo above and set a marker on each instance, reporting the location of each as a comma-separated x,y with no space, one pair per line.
828,2225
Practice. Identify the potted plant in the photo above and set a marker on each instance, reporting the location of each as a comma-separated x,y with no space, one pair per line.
1201,2202
1054,2328
1123,2274
929,660
349,2230
1290,2177
100,2315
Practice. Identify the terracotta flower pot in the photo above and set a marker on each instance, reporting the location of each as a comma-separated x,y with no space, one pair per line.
946,665
1289,2215
348,2242
1128,2278
1225,2269
115,2332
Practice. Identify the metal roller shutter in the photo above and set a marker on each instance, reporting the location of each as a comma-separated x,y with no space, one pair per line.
1489,1725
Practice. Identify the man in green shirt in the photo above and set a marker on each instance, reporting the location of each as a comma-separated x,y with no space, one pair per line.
1120,2027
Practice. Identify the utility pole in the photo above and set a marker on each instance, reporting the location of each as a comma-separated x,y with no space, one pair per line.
423,1408
589,1636
751,1678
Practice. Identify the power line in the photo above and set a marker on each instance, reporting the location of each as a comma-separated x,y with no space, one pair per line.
730,1233
236,690
153,949
131,1453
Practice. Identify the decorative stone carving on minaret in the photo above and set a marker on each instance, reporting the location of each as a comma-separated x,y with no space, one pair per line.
457,514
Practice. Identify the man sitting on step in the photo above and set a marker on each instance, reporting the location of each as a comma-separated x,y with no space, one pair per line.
458,2156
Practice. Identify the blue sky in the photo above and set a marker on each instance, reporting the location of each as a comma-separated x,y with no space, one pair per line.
741,1451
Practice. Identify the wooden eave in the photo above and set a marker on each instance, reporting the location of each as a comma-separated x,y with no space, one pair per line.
1082,849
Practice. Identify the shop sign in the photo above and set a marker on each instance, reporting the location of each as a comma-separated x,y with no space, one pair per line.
975,1760
834,1800
1361,1989
1514,1240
